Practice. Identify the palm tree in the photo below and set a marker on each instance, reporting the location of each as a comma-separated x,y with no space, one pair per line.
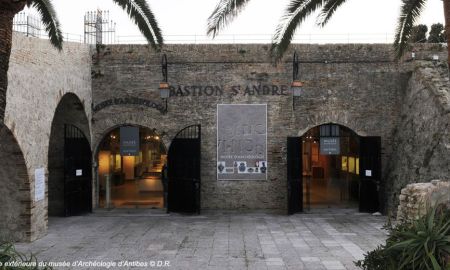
138,11
298,10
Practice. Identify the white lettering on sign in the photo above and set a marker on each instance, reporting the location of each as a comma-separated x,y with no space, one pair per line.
368,172
39,184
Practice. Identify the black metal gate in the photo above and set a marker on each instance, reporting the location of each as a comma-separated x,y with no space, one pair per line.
370,173
294,175
77,172
184,171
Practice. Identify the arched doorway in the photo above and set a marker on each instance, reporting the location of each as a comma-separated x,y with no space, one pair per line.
69,160
130,162
330,166
15,194
331,175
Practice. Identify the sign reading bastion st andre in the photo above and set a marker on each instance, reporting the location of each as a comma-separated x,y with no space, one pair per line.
242,142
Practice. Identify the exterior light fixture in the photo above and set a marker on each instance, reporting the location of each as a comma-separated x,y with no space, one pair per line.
435,58
164,89
297,85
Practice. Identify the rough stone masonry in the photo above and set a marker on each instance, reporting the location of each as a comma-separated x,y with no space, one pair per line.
355,85
358,86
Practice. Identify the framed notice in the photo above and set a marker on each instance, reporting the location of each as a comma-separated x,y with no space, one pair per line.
242,142
39,184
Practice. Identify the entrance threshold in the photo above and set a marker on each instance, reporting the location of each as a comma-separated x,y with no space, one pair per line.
124,212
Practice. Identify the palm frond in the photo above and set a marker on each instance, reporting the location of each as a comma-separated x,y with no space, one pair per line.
328,10
296,12
409,13
143,17
223,14
49,19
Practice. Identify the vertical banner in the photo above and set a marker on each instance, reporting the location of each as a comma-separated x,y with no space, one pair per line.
129,141
242,142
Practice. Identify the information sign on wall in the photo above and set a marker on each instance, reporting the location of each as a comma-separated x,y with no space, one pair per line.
129,141
39,184
242,142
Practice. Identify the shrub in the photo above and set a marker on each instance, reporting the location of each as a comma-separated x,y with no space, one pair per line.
421,244
9,254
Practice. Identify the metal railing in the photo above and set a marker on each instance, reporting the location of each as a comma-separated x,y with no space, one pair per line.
31,26
265,38
99,29
27,24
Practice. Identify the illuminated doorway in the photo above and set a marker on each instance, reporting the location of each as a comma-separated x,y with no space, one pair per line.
131,181
330,167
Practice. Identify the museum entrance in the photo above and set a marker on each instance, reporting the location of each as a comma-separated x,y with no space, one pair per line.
130,166
330,166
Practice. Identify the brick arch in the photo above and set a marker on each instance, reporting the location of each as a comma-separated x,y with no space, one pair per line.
15,196
339,118
70,110
302,132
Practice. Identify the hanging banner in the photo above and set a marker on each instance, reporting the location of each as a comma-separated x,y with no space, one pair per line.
129,141
242,142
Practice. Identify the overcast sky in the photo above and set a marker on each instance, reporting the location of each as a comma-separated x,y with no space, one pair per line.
184,17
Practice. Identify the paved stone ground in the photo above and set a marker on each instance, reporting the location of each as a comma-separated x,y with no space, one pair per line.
326,239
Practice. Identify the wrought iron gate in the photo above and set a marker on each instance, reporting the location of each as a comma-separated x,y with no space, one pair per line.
294,175
184,171
370,173
77,172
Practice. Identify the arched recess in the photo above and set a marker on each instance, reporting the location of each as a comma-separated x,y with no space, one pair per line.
15,194
69,112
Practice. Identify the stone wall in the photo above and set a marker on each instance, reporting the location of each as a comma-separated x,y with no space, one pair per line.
39,76
358,86
415,199
15,190
422,138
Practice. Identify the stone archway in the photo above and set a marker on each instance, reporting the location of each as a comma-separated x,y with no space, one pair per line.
143,170
70,111
15,198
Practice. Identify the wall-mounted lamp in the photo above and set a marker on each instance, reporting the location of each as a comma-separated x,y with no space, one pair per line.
164,89
297,85
435,58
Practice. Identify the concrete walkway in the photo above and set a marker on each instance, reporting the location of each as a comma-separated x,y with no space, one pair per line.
326,239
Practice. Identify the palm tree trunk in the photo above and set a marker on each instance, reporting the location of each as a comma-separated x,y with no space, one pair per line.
447,27
8,9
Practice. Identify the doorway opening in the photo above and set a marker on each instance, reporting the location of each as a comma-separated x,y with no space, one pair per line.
330,172
331,166
69,160
131,180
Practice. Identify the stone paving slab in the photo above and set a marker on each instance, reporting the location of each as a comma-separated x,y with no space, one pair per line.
323,239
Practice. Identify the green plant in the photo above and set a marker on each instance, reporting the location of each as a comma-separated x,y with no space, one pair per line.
420,244
8,254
